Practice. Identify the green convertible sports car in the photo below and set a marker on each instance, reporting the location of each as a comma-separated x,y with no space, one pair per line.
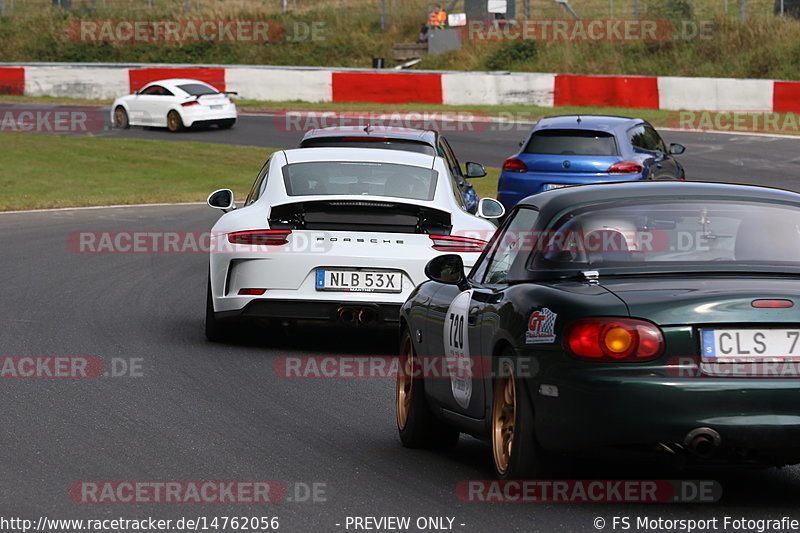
640,316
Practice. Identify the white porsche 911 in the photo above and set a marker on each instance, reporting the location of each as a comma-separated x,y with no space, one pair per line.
336,234
174,104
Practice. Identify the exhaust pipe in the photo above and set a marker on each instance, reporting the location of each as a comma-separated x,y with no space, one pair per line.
703,442
347,315
367,316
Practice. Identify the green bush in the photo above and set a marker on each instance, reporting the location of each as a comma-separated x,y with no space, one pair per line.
509,54
672,10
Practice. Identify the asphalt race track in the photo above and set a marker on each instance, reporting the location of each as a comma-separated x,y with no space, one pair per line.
192,410
756,159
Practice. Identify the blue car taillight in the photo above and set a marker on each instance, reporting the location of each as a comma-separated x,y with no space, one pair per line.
625,167
512,164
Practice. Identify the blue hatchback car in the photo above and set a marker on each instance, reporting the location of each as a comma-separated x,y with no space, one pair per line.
577,149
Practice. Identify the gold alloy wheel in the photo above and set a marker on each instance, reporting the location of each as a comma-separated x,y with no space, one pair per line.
120,119
404,386
173,121
504,412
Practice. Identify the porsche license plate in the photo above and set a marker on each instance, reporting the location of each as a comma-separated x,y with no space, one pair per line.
358,281
738,344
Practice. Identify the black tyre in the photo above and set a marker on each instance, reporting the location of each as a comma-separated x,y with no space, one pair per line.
226,124
515,450
216,330
121,118
416,424
174,121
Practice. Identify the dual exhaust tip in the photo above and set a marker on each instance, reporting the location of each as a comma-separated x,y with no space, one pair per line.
701,442
363,316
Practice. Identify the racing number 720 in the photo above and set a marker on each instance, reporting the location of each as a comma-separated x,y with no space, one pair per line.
457,331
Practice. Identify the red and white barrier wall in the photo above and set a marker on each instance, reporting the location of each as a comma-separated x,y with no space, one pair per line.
309,84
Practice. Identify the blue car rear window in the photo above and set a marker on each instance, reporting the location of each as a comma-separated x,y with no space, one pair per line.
572,142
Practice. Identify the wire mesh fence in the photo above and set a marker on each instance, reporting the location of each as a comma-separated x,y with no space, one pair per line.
547,9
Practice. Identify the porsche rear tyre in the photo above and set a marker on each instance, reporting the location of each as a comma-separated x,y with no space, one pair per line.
515,450
416,424
216,331
121,118
174,121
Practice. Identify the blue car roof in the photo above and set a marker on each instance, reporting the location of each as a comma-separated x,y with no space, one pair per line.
607,123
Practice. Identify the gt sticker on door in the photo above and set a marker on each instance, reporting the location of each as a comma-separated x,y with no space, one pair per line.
456,347
541,327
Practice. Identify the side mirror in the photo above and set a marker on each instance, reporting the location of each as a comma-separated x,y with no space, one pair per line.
221,199
490,208
475,170
448,269
137,92
676,149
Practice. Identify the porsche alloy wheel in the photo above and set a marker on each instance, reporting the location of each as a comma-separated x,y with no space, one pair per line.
416,424
174,122
121,118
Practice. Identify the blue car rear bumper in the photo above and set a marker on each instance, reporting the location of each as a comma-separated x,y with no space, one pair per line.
514,186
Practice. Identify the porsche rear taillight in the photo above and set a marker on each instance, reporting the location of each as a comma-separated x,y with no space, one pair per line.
189,104
512,164
452,243
625,167
614,339
261,237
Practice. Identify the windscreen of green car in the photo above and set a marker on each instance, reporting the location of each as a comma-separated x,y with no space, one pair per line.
707,233
347,178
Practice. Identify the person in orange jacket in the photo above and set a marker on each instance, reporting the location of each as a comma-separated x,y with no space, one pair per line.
438,18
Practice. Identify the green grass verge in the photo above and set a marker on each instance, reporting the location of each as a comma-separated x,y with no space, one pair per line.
487,185
42,171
